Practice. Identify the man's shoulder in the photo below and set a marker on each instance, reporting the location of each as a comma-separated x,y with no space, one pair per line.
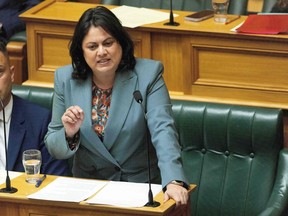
26,105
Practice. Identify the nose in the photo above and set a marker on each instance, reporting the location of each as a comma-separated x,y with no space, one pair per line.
102,50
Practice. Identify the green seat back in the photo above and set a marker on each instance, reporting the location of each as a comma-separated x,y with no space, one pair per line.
231,154
39,95
267,5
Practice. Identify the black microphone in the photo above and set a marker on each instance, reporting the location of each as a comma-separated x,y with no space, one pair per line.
171,20
8,188
151,203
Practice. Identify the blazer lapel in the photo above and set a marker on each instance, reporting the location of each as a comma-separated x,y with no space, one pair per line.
17,128
122,97
82,96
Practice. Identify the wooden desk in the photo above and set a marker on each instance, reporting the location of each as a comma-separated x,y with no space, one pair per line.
203,61
18,205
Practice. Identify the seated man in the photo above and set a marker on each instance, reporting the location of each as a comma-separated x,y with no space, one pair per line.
10,23
26,125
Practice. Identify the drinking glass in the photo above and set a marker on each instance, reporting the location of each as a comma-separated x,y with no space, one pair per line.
220,8
32,161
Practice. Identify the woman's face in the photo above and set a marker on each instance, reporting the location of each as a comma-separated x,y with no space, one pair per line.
101,51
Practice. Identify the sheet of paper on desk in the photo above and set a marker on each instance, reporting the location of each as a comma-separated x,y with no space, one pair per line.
68,190
124,194
133,17
12,175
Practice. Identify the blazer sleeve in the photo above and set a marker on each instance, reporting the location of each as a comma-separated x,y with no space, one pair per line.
161,122
55,138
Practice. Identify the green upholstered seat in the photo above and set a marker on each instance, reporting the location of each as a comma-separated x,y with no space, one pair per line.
235,156
235,6
267,5
39,95
19,36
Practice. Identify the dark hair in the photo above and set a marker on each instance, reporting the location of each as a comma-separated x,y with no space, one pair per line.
3,48
281,6
102,17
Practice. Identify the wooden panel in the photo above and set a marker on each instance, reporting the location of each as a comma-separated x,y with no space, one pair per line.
18,58
241,69
236,70
142,43
165,48
255,6
51,46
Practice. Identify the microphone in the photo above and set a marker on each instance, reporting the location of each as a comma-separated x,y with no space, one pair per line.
8,188
171,20
151,203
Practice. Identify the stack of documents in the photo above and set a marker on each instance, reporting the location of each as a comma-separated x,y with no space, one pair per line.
122,194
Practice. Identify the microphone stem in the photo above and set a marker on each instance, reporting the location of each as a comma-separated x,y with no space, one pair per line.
150,194
138,97
8,182
8,188
171,13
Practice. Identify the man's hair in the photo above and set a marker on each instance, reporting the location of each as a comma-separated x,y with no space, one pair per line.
3,48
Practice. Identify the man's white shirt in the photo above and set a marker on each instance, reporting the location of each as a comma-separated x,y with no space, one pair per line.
8,112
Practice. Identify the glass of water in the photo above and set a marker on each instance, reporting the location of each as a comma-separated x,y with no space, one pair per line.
220,8
32,163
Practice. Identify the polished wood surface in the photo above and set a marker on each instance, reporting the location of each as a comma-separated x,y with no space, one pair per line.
18,204
17,51
255,6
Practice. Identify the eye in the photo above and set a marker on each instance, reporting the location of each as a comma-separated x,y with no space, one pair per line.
92,46
108,43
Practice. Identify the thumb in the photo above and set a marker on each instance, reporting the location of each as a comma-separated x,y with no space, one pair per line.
166,197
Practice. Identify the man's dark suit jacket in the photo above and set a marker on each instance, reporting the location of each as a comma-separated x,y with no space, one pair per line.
9,14
29,123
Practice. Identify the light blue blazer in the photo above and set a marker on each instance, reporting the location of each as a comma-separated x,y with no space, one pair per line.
123,153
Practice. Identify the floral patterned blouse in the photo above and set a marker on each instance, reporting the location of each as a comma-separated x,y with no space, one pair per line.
101,99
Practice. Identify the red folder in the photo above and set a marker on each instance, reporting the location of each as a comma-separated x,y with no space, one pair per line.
264,24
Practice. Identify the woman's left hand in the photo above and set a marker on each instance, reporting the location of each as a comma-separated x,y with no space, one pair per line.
178,193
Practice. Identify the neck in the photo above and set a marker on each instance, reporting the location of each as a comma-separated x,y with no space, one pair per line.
104,82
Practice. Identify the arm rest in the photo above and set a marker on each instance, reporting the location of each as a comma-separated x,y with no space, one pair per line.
17,51
19,36
279,197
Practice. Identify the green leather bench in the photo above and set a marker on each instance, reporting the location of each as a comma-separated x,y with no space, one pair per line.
234,154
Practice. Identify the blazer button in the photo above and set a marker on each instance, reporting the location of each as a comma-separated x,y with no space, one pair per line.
117,168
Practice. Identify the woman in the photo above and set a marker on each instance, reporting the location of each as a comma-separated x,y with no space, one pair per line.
96,119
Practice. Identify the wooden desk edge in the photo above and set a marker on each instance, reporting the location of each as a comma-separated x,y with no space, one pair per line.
23,191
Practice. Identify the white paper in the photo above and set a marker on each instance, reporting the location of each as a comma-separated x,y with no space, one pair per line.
236,27
69,189
133,17
124,194
12,175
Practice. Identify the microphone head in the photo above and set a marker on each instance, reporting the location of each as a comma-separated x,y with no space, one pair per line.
138,96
